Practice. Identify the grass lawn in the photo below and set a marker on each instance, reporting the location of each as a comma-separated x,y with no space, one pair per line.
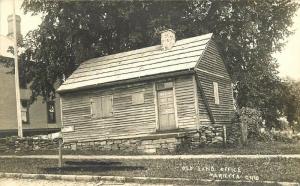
270,169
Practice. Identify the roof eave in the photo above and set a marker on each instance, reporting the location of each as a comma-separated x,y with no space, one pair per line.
133,80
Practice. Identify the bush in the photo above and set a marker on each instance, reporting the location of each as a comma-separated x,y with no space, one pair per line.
283,136
253,120
265,136
234,132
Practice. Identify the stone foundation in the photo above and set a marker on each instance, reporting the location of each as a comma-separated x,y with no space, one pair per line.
161,143
15,144
157,143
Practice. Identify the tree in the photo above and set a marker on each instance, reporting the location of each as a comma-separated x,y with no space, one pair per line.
247,32
292,102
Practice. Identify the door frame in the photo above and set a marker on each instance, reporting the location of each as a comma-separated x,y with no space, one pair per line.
156,102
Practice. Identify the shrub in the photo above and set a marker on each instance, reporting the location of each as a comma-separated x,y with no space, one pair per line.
234,132
265,136
283,136
253,120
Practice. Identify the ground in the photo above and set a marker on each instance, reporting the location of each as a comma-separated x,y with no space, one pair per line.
243,168
262,165
40,182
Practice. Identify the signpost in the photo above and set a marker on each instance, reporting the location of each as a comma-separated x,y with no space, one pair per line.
60,142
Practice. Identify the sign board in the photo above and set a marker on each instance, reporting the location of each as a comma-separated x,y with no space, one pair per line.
54,135
68,129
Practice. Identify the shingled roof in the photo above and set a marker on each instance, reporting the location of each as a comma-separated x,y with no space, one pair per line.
137,64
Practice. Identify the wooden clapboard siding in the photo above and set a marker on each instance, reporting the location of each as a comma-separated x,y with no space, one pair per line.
185,101
212,62
127,119
203,113
209,69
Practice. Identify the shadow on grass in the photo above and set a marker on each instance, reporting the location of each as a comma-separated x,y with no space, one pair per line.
92,166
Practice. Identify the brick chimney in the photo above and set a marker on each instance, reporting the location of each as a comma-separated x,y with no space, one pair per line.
10,21
167,39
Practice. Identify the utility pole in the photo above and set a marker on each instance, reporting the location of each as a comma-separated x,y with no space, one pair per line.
18,101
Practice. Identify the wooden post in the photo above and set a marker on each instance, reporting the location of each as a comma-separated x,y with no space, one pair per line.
17,86
244,133
224,135
60,142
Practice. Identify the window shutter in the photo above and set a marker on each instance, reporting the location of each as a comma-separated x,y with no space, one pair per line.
216,93
99,108
93,109
96,107
138,98
107,106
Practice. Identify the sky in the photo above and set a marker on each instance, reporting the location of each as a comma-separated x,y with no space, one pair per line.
288,59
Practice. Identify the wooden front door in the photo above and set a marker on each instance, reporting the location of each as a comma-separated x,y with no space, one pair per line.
166,111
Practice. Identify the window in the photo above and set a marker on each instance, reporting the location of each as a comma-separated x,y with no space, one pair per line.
164,85
216,93
51,112
25,111
138,98
102,107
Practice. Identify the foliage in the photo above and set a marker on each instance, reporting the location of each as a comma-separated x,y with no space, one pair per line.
247,32
252,119
234,132
292,102
283,137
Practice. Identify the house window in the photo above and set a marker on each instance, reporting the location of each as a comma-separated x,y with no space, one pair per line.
164,85
216,93
137,98
25,111
102,107
51,112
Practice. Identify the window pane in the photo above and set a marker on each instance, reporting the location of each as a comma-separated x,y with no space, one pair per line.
164,85
24,111
51,112
24,115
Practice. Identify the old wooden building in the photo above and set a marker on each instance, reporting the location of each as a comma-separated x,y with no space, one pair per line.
149,97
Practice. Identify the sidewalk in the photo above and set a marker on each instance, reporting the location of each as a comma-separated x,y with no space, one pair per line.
122,180
139,157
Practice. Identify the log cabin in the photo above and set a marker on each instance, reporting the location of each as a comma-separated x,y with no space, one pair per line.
150,98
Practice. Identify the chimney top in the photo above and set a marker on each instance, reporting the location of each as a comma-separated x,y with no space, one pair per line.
10,21
10,18
167,39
